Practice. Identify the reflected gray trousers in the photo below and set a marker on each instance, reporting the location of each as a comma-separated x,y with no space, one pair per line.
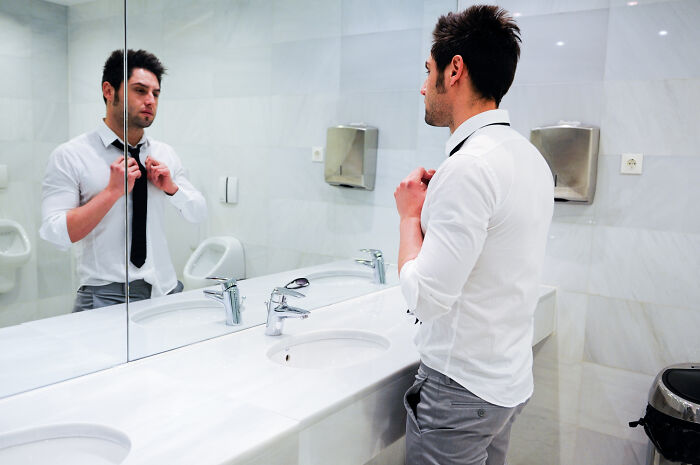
448,425
89,297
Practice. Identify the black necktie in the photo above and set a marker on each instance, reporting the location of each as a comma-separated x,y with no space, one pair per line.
139,209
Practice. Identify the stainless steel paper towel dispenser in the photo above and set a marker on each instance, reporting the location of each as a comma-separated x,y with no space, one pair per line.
351,156
571,150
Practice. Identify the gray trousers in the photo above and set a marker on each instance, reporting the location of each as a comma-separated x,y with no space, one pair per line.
89,297
448,425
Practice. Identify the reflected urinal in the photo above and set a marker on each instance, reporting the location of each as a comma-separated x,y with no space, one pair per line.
220,256
15,250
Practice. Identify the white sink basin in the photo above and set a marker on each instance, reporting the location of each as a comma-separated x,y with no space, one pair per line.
181,314
64,444
328,349
341,275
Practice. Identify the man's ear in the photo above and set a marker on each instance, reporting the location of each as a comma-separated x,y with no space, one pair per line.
457,69
108,91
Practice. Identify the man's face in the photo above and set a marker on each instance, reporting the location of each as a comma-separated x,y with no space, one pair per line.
144,91
437,104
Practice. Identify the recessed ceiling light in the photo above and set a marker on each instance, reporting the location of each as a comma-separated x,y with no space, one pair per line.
632,3
560,44
663,33
517,15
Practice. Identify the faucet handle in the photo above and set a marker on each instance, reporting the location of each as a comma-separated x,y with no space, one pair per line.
226,283
374,252
289,292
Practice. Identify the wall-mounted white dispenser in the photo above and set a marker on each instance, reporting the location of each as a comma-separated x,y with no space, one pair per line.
351,156
571,150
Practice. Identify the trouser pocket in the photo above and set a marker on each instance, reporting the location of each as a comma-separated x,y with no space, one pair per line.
411,399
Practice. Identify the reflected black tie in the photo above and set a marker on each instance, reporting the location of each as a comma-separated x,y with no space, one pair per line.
139,209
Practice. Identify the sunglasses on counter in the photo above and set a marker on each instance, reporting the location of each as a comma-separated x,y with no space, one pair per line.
297,283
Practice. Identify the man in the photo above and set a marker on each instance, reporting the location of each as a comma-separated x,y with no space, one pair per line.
83,192
472,241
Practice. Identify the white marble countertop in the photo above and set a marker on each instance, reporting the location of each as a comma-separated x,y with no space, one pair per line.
222,401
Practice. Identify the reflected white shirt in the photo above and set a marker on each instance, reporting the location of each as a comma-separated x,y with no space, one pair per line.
474,284
77,171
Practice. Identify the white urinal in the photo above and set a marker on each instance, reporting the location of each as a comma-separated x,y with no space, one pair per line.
220,256
15,250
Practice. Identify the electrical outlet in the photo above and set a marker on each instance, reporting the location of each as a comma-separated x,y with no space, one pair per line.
631,163
317,154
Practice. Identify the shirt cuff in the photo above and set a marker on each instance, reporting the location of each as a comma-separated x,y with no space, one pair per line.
55,231
179,198
409,284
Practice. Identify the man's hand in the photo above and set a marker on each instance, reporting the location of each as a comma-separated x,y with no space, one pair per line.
159,175
115,186
410,194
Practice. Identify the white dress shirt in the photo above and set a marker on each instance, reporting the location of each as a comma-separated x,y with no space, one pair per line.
474,284
77,171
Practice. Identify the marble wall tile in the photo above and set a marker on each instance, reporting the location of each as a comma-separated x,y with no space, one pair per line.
97,9
383,61
382,110
306,226
186,78
305,19
292,175
593,447
652,117
16,8
433,9
17,156
640,337
307,66
566,345
359,226
15,83
581,58
84,117
663,198
16,119
89,45
243,23
50,121
521,8
645,266
532,106
147,32
301,121
637,50
239,122
186,121
568,256
243,71
15,34
187,27
557,389
366,16
636,348
49,76
610,398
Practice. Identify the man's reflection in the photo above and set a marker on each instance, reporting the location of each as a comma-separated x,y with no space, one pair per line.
83,192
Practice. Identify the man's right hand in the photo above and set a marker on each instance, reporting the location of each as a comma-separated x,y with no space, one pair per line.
116,176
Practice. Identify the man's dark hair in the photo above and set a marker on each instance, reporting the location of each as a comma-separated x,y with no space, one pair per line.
487,39
113,71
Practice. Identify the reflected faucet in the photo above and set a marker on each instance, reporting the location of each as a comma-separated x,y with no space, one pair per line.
377,262
229,297
278,310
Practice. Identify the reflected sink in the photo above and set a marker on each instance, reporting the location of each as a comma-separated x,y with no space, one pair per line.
65,444
340,275
328,349
181,314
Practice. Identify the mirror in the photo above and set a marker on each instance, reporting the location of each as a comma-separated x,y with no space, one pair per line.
250,89
51,57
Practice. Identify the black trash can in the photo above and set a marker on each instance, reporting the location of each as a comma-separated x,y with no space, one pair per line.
672,419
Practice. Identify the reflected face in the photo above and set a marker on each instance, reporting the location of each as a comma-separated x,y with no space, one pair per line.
437,104
144,91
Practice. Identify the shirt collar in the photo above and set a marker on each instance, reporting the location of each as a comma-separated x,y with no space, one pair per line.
474,123
107,135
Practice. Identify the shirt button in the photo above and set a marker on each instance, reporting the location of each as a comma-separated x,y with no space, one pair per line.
481,413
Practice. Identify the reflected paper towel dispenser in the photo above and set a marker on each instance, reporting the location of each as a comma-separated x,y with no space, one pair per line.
351,156
571,150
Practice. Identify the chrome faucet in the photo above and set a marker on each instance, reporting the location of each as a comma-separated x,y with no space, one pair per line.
377,262
278,310
229,297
